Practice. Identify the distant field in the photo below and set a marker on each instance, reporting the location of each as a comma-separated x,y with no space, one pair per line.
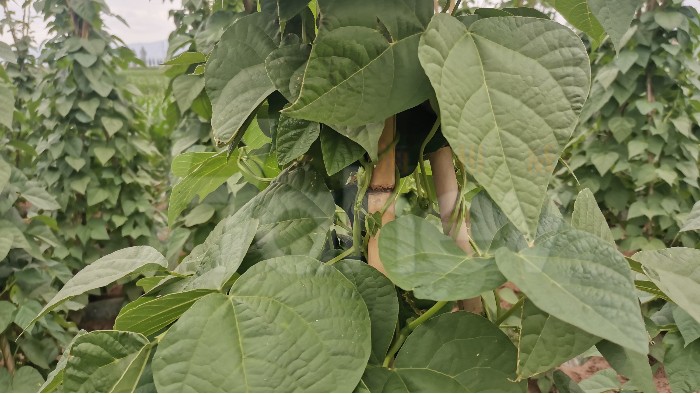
150,81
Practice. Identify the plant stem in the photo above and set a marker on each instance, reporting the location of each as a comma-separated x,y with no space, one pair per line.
7,357
403,334
421,155
510,311
381,189
341,256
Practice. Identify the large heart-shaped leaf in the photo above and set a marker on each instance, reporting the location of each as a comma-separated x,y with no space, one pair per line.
675,271
236,80
295,214
546,342
582,280
418,257
106,362
289,324
355,75
106,270
379,294
453,352
510,91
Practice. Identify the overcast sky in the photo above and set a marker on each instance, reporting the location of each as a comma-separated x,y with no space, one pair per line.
148,19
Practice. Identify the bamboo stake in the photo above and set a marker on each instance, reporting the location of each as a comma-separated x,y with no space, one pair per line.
381,187
447,191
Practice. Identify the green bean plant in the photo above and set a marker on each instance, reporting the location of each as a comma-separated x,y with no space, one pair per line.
29,277
297,291
94,150
637,148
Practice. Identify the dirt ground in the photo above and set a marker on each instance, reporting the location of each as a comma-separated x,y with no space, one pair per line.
595,364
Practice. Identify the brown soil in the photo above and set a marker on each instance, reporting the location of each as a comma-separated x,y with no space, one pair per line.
595,364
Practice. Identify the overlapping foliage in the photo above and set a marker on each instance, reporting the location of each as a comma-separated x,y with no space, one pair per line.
638,143
254,308
29,276
93,151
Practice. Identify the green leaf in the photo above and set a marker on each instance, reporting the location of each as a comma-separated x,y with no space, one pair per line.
621,128
669,20
355,75
152,314
675,271
186,88
588,217
5,172
689,327
199,214
7,103
284,64
40,198
338,151
106,362
682,364
546,342
106,270
467,350
490,228
691,223
104,154
295,213
419,258
7,54
89,107
615,17
76,163
294,138
25,380
186,59
582,280
7,312
6,242
488,78
236,80
186,163
201,181
112,125
214,262
634,366
602,381
367,136
286,9
597,17
604,161
289,324
379,295
54,380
